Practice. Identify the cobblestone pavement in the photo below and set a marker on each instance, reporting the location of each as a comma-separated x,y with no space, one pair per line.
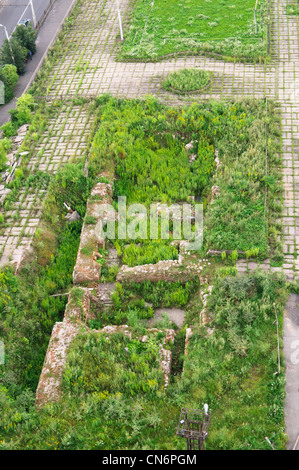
287,95
64,141
89,66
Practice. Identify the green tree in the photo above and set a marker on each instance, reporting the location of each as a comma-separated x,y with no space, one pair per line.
13,53
26,37
10,77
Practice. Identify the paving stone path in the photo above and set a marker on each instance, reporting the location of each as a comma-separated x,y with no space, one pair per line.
64,141
287,95
89,66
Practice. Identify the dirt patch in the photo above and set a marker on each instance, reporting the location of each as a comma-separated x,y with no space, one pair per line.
175,315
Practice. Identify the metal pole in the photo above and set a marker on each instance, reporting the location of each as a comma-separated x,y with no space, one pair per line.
7,35
120,22
33,13
277,332
255,16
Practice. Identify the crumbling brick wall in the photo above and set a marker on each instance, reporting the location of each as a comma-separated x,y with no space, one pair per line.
49,386
169,271
87,269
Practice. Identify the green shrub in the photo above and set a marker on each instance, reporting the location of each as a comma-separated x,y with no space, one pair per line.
10,78
187,80
21,114
5,146
8,129
69,186
115,364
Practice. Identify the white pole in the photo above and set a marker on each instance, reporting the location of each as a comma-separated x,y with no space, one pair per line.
33,13
120,22
7,35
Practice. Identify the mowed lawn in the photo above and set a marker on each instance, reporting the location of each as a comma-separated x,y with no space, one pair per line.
166,26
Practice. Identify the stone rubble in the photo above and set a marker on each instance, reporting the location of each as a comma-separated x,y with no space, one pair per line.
87,269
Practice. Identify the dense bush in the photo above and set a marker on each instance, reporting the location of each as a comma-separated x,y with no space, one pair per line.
10,78
143,143
21,114
5,146
26,37
112,385
186,80
12,52
151,251
69,186
98,364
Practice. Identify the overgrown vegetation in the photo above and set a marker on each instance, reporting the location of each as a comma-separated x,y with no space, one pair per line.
113,390
168,155
223,28
28,313
237,364
233,368
10,78
186,80
134,303
102,366
14,54
21,114
28,309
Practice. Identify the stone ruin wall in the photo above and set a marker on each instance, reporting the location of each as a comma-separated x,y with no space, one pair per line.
49,386
77,313
88,271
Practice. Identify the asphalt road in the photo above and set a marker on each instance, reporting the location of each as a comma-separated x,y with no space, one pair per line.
13,11
46,36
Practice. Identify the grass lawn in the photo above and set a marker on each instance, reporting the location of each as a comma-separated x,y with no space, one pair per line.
225,27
